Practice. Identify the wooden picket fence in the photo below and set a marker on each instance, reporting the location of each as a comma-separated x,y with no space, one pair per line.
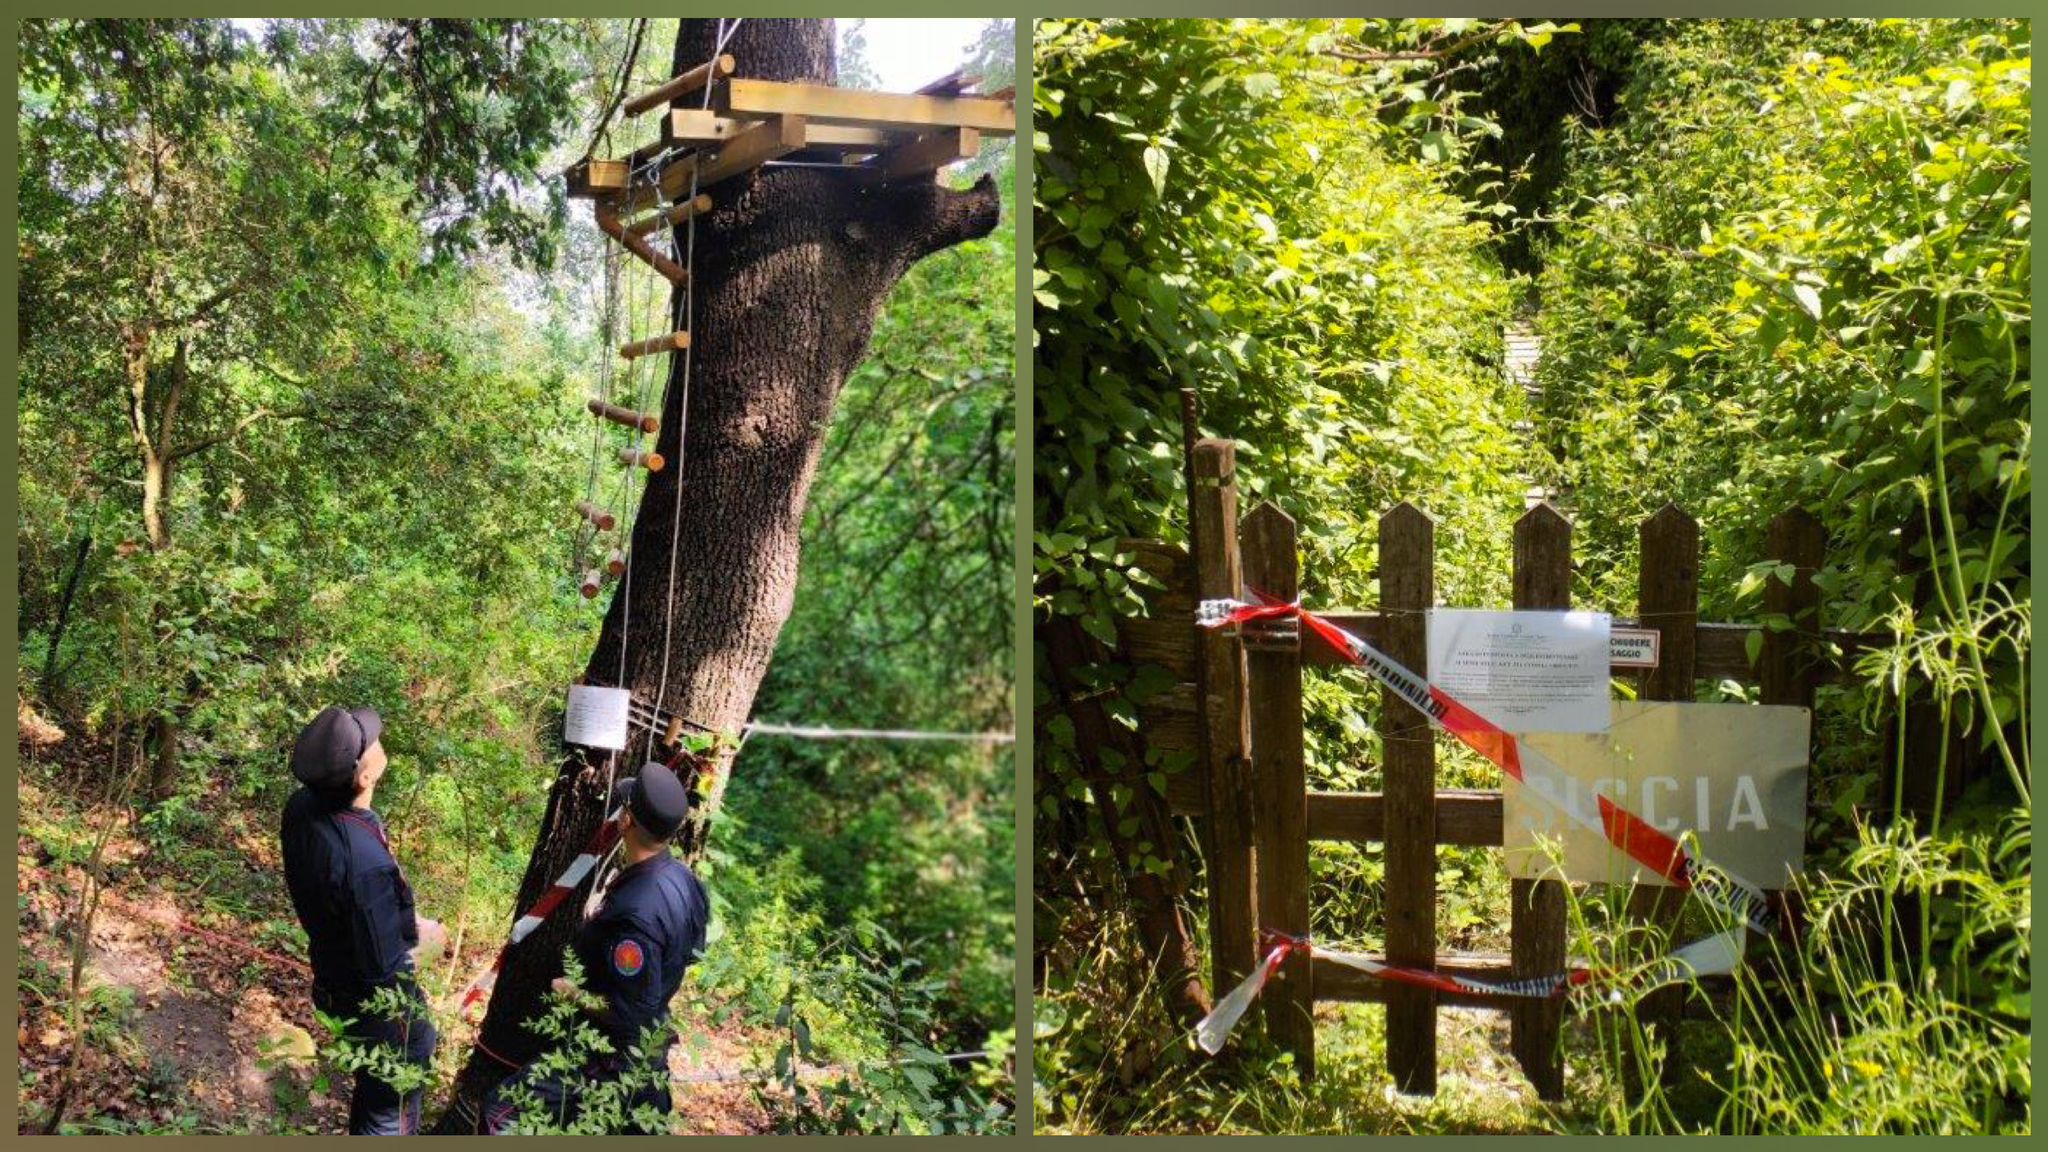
1239,709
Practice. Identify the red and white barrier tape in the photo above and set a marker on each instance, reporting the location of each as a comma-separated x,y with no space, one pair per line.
1643,842
565,885
1714,956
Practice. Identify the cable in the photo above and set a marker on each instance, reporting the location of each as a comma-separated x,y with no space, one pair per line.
689,324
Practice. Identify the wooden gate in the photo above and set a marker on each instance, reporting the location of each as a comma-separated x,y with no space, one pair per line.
1242,715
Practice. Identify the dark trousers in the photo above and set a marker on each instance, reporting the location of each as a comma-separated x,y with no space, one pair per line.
375,1107
563,1101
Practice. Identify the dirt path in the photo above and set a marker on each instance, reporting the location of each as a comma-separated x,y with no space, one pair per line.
196,1021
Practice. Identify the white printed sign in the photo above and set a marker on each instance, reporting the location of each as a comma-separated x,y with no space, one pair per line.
596,717
1633,647
1524,671
1734,775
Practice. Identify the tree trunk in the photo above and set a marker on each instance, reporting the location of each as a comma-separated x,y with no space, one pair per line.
791,268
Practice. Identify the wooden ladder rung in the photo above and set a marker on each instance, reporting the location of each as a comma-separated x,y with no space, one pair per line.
642,458
597,516
593,579
615,562
672,215
653,345
681,85
608,221
644,421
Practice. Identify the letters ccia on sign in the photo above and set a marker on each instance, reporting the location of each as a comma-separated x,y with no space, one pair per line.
1662,802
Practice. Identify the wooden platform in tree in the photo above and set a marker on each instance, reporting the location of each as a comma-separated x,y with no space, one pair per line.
884,137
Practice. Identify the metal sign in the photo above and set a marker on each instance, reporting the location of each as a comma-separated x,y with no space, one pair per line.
1731,775
1633,647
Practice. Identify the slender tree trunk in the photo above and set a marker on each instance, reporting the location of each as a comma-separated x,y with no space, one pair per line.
52,670
791,268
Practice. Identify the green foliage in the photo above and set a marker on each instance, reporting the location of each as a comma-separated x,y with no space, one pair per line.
602,1105
354,253
903,619
853,999
1245,208
1790,267
387,1061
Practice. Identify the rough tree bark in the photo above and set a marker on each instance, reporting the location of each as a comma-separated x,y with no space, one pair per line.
792,266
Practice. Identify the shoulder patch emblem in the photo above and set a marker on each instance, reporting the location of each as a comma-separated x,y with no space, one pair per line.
628,958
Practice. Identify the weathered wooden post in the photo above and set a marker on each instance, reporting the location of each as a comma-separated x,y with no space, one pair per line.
1790,667
1233,907
1543,581
1668,600
1407,591
1280,811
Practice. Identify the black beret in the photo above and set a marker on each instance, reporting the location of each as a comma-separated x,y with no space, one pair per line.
657,800
330,747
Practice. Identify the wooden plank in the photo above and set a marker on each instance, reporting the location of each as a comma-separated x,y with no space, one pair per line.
1468,817
1536,920
705,128
608,223
1280,806
1187,793
889,111
1233,900
654,345
924,156
1668,601
1370,627
672,215
590,179
1787,666
1722,651
1789,670
1408,588
1165,641
1340,982
682,84
951,84
771,139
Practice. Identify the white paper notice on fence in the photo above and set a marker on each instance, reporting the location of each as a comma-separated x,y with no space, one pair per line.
1524,671
1734,775
596,717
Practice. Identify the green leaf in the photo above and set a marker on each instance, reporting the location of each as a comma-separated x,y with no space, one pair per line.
1809,298
1155,168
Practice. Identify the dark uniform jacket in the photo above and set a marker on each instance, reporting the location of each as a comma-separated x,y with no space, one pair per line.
636,946
350,896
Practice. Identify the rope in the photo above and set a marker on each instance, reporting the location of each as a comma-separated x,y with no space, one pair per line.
808,732
689,324
652,718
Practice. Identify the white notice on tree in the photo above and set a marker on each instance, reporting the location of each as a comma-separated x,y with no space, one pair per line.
1524,671
596,717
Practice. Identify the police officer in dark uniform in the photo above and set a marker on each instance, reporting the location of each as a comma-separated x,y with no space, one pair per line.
361,930
647,926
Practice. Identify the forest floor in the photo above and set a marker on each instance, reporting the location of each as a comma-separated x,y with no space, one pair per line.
193,1007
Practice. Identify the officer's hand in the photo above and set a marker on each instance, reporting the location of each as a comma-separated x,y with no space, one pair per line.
563,987
433,940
